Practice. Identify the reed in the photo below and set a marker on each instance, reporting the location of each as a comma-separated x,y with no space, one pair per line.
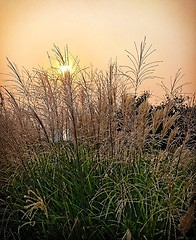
85,156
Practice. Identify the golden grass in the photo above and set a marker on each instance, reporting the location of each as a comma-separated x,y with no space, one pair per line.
89,106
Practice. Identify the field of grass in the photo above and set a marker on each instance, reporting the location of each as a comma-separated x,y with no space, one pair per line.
84,155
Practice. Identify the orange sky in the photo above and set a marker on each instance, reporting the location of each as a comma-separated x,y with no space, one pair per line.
97,30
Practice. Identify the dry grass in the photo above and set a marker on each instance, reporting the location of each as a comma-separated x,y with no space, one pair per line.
102,111
93,107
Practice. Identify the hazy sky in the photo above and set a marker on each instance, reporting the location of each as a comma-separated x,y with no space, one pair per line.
97,30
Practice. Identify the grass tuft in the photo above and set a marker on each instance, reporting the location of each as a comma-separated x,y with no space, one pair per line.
85,156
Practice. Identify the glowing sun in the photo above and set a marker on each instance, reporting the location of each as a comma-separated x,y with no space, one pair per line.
65,69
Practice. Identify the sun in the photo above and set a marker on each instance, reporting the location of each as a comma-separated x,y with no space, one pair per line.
65,69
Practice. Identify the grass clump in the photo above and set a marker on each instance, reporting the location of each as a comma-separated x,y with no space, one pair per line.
57,199
85,156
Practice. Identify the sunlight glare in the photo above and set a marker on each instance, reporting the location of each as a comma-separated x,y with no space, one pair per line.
65,68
